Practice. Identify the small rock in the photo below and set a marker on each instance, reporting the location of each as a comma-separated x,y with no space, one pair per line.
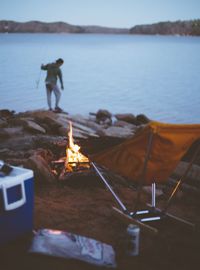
104,117
127,117
142,119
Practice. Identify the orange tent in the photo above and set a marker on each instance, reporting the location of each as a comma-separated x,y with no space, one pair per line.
159,145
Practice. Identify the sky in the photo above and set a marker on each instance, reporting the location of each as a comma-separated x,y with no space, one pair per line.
111,13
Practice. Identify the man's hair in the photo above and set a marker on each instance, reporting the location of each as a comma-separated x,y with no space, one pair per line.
59,61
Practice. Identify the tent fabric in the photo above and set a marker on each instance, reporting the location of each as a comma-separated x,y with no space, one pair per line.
169,144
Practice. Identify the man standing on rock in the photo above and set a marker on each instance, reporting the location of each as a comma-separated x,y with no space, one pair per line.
53,72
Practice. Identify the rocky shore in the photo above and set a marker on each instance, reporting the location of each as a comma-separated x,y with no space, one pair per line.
35,138
81,204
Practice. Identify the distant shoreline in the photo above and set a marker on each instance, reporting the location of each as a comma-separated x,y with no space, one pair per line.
180,28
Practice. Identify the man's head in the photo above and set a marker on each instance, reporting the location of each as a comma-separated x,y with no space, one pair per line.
59,61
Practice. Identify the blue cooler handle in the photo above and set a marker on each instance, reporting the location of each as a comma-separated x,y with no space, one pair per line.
16,204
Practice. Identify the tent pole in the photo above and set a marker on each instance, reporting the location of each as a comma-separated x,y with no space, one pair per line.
144,171
110,188
153,195
180,181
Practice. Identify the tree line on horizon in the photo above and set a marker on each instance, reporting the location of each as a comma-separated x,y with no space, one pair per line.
190,27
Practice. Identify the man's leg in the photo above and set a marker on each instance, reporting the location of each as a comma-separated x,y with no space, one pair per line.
49,91
57,93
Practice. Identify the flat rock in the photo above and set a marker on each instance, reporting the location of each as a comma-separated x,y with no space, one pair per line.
13,131
85,121
63,131
117,132
120,123
34,127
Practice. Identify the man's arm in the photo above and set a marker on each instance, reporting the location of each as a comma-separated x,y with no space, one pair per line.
60,78
44,67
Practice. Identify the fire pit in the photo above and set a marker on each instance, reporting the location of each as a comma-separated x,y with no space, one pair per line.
75,169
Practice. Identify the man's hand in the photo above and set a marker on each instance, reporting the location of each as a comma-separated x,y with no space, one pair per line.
62,87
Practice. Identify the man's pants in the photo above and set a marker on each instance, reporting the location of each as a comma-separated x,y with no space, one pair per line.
53,88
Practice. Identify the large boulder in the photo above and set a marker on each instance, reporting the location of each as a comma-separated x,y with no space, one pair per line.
41,169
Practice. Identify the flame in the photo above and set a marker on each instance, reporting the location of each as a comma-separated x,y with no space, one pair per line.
73,155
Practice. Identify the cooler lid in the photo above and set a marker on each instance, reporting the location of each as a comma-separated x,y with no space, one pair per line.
16,173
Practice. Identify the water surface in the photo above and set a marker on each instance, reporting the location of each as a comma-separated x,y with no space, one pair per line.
155,75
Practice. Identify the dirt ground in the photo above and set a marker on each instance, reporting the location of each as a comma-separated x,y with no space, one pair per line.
84,207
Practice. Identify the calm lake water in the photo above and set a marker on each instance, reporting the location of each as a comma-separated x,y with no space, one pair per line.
155,75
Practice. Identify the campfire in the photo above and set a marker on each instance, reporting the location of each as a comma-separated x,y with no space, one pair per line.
75,160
